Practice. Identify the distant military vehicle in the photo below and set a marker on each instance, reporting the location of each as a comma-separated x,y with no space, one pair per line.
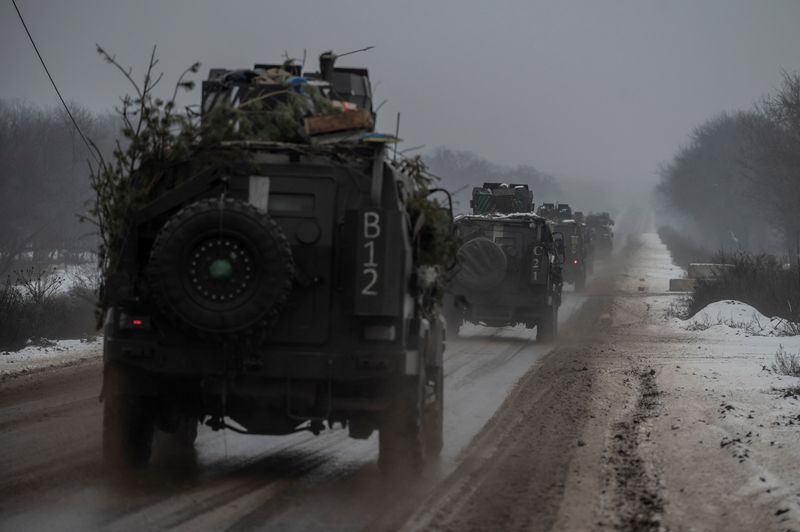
283,293
564,211
601,232
556,211
577,255
503,198
509,270
548,211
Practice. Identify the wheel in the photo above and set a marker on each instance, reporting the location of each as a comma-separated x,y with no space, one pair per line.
434,413
221,266
186,431
174,449
411,434
482,265
453,326
547,330
128,424
454,313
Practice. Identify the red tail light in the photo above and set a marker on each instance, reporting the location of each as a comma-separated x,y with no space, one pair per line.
126,321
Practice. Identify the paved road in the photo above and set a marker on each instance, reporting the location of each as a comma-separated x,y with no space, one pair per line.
52,476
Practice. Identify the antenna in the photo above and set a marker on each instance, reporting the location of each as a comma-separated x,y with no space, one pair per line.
355,51
379,106
396,136
412,148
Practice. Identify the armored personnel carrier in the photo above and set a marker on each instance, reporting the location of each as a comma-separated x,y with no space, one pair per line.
509,267
289,289
501,198
557,212
600,228
577,253
548,211
564,211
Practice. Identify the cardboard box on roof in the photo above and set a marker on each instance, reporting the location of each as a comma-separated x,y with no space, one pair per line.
347,121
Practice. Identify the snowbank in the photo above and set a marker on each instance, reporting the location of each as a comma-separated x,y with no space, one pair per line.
732,317
55,354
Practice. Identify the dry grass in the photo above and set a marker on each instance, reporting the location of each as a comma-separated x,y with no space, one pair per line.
758,280
786,363
33,311
679,308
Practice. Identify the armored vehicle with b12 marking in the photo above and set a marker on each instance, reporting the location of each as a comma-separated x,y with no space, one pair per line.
281,293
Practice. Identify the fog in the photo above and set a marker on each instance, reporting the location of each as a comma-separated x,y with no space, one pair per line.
603,92
543,365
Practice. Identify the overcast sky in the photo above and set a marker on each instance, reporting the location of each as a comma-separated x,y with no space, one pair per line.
596,89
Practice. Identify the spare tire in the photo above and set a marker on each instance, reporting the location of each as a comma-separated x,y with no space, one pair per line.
221,266
483,265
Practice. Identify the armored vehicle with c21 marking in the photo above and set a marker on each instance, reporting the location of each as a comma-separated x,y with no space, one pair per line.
509,273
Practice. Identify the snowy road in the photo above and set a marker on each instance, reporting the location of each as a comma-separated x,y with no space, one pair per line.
638,421
51,461
634,420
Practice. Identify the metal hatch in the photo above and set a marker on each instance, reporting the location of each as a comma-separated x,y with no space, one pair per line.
304,207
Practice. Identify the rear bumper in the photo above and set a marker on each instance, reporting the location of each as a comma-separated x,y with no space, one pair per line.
198,360
499,310
571,272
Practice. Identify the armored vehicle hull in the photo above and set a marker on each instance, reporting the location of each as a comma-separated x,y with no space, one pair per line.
271,298
577,257
508,274
602,234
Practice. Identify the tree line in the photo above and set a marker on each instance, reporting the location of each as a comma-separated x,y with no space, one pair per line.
460,170
44,180
735,185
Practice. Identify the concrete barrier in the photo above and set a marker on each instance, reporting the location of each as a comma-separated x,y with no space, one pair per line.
706,271
698,271
681,285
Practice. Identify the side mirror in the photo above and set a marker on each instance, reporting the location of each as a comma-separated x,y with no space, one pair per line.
449,207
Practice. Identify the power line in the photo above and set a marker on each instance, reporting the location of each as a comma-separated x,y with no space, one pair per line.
52,81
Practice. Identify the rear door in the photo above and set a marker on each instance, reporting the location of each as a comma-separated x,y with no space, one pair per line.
304,207
511,239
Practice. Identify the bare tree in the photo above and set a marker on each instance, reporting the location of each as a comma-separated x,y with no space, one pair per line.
44,179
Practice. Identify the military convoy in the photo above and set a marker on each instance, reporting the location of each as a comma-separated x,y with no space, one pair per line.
303,283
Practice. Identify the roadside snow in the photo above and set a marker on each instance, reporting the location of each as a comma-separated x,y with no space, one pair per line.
85,276
734,318
726,437
55,354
